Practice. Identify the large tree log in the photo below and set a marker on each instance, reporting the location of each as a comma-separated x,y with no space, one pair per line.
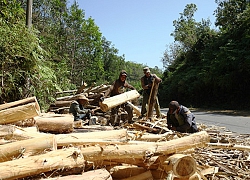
147,150
34,165
20,102
19,113
182,166
14,133
143,176
98,174
55,123
16,150
114,101
74,138
125,171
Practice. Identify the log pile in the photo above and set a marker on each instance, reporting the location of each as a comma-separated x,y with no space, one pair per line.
101,109
53,149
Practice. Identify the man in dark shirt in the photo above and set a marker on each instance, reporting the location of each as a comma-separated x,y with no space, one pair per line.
146,83
78,110
180,118
119,86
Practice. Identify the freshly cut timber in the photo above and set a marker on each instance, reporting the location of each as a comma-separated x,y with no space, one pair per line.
114,101
29,147
20,102
182,166
34,165
77,138
125,171
19,113
98,174
147,149
55,123
135,108
143,176
15,133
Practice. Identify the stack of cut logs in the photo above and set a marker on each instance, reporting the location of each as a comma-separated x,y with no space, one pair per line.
37,145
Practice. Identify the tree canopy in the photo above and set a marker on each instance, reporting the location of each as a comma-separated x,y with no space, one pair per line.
210,67
203,67
61,51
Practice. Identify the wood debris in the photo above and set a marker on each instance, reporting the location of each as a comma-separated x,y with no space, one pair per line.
53,147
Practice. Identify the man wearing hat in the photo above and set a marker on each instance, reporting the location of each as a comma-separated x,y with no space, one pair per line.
119,86
146,84
78,110
180,118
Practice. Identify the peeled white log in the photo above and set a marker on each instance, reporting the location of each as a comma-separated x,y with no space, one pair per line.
14,133
114,101
78,138
55,123
125,171
28,147
19,113
143,176
98,174
146,150
34,165
135,108
20,102
182,166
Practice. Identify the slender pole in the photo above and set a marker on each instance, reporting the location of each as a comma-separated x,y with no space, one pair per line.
29,13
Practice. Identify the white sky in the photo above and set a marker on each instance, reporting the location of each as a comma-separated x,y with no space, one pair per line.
140,29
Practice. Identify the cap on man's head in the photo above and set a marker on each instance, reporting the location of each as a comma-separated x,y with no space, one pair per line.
123,73
173,105
146,69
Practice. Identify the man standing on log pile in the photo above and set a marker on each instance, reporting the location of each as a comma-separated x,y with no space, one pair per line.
146,84
119,86
180,118
78,110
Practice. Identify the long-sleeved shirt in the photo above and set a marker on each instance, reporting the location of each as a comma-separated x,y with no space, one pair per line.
76,109
118,87
183,120
146,82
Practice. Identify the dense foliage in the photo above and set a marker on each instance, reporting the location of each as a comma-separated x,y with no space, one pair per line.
206,67
60,52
